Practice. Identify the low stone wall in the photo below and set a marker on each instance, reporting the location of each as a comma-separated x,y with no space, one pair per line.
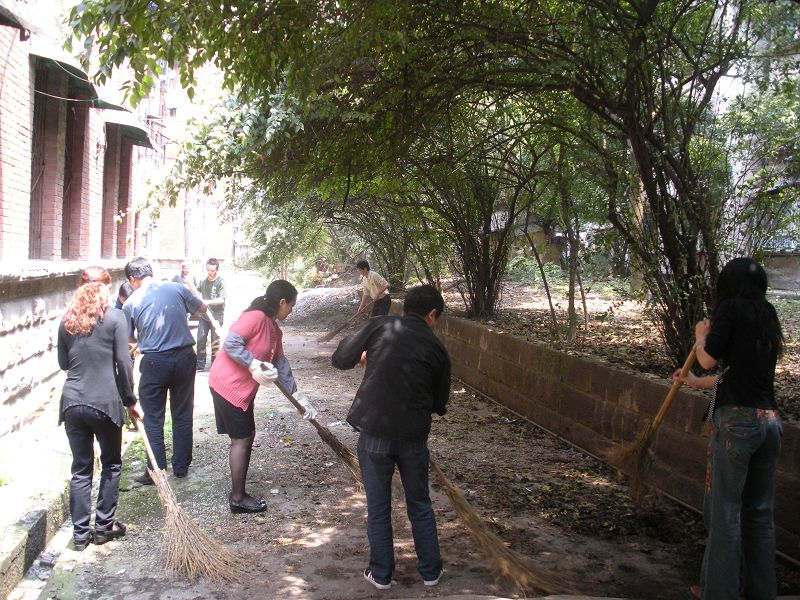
599,408
31,306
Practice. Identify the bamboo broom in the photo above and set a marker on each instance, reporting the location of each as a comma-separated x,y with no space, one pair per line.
520,570
329,336
189,550
343,453
636,457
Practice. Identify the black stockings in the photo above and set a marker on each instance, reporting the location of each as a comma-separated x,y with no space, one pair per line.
239,457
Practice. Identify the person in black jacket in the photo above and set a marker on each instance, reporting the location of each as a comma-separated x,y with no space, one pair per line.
407,378
93,349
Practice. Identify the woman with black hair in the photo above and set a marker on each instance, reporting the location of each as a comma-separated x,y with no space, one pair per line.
252,355
745,338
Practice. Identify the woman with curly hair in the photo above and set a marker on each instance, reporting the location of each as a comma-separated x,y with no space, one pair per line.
93,349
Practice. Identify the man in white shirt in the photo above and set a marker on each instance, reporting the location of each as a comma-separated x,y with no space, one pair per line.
375,288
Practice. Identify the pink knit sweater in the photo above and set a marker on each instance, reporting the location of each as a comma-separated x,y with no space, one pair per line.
264,339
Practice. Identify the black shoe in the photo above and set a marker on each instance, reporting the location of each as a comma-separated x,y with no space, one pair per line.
117,531
180,474
144,479
247,504
80,545
200,369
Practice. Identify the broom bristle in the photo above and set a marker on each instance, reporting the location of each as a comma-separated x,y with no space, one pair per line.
520,570
343,453
189,550
635,458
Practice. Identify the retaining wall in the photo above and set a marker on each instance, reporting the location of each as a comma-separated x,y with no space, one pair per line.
599,408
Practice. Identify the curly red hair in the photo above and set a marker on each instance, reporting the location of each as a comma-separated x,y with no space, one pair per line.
89,302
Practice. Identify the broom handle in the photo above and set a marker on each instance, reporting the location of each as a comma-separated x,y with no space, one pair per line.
147,447
296,404
328,336
675,387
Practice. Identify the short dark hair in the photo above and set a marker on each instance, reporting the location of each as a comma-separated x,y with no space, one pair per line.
138,268
362,264
213,262
423,299
125,290
270,302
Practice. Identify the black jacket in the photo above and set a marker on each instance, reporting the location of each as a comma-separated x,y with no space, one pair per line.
407,377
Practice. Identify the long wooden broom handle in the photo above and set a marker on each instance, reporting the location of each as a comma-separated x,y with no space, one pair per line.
675,387
147,447
300,408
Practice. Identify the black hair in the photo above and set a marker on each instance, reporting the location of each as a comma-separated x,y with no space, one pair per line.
270,302
213,262
362,264
125,290
745,279
422,299
138,268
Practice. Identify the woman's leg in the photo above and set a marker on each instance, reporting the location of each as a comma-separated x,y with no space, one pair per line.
81,442
239,457
109,438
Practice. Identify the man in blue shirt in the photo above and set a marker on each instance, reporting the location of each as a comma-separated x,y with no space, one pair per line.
156,313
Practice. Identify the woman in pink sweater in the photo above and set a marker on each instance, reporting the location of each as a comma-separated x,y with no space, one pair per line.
252,355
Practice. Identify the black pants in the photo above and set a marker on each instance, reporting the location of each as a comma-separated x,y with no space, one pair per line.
161,372
381,306
83,424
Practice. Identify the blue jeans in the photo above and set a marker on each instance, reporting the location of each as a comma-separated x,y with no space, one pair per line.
738,511
161,372
378,458
83,424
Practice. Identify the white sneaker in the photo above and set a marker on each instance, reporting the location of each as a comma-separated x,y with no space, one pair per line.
434,582
381,586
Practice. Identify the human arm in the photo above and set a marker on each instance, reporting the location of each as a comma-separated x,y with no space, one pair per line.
63,348
123,369
441,391
350,350
701,331
695,382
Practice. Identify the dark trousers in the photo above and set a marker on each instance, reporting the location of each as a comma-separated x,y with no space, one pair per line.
83,424
381,307
378,458
203,329
161,372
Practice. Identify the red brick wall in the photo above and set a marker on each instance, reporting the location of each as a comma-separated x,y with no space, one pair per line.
599,408
16,115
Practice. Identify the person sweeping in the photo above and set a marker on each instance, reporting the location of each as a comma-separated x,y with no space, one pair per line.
745,339
251,355
407,378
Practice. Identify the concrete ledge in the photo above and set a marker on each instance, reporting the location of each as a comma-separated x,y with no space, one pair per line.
25,540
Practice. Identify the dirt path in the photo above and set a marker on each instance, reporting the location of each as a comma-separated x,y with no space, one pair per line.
552,503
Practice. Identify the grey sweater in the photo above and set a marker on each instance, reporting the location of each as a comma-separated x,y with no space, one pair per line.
99,370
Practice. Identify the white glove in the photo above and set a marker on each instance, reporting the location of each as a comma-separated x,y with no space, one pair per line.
311,412
263,373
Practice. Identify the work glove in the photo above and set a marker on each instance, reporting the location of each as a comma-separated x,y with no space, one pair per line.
263,373
311,412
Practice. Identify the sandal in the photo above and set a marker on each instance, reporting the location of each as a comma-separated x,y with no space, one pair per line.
247,504
117,531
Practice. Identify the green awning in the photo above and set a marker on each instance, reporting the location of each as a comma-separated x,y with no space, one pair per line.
129,125
59,59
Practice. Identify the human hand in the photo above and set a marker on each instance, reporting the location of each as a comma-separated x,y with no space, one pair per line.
690,379
363,361
135,412
310,411
263,373
701,330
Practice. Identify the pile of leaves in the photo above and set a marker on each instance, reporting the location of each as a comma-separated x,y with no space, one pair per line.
621,332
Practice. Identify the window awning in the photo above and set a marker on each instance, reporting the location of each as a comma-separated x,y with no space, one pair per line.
60,59
130,126
19,14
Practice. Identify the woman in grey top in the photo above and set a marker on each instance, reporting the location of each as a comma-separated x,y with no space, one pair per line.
93,349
